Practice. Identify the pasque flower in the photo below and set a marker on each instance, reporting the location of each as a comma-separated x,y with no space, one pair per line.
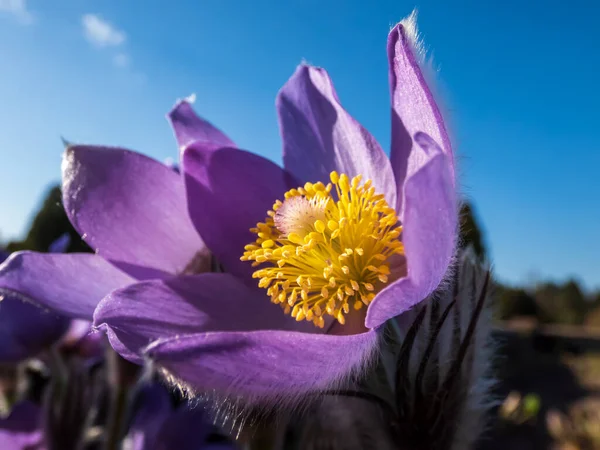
347,232
341,236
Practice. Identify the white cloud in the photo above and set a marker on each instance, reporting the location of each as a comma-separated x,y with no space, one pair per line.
101,33
121,60
18,8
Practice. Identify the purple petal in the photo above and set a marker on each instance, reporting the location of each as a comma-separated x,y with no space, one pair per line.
413,106
71,284
78,329
83,341
319,136
157,426
158,309
185,429
429,234
130,208
21,429
27,329
229,191
153,409
189,127
61,244
263,365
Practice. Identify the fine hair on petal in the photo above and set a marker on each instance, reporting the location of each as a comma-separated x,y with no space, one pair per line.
234,411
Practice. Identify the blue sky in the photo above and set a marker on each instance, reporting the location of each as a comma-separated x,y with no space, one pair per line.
518,82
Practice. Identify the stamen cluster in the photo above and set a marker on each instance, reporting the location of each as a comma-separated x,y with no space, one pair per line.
319,251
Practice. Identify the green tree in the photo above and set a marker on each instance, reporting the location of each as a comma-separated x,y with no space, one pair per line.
592,317
470,230
514,302
564,303
48,224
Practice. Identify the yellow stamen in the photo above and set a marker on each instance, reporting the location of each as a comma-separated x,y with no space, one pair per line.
326,247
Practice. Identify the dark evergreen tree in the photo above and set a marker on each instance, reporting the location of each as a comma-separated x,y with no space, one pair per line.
470,231
48,224
514,302
564,303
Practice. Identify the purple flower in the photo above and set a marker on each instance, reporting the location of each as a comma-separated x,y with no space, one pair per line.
227,332
159,426
25,328
21,430
218,331
28,327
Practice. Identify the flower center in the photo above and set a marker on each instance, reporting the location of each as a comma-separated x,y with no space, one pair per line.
320,251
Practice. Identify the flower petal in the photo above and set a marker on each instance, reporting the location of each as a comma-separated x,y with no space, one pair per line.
70,284
26,329
319,136
157,426
229,191
153,409
158,309
263,365
429,234
22,428
189,127
413,106
130,208
185,429
81,340
60,244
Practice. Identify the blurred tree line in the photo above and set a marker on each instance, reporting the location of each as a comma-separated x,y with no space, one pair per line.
49,224
547,302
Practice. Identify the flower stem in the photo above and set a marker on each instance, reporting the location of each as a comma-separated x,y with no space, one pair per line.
122,375
116,418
